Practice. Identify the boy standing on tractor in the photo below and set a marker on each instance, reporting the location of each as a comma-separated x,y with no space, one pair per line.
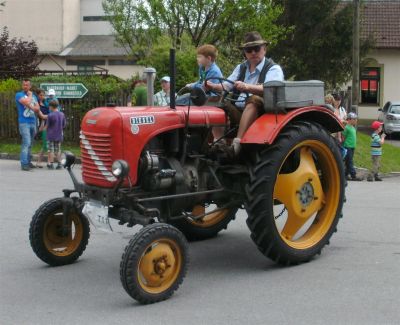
248,78
377,140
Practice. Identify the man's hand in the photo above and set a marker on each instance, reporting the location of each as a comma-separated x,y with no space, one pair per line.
241,86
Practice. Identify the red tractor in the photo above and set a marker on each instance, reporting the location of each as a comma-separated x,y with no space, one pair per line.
159,167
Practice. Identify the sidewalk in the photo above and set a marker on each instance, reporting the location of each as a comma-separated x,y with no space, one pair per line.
5,155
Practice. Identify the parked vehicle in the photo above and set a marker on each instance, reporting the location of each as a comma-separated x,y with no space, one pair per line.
160,167
390,116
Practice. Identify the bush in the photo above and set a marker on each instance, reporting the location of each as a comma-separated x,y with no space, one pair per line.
9,85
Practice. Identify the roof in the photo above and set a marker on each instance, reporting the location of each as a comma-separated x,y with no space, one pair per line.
94,45
380,20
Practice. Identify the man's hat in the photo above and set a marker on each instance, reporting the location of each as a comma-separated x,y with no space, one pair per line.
166,79
51,92
376,124
252,39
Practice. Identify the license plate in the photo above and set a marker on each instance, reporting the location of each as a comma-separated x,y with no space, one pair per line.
97,214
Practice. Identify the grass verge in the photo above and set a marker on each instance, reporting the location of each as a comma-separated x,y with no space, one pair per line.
362,158
13,147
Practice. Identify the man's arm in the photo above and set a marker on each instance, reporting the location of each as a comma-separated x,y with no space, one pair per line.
26,101
227,85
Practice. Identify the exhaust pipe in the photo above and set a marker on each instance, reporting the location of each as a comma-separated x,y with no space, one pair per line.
150,73
172,72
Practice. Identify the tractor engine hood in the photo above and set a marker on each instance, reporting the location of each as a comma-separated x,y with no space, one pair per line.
111,133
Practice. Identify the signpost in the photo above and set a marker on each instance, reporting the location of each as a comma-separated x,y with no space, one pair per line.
66,90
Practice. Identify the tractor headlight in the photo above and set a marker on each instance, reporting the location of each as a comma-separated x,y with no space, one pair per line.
120,168
67,159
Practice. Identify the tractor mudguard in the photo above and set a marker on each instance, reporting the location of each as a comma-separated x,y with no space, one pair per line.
267,127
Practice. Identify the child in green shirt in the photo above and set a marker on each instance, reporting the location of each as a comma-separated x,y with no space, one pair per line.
350,143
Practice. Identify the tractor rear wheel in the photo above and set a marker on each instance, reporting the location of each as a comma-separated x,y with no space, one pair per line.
295,194
208,226
154,263
46,235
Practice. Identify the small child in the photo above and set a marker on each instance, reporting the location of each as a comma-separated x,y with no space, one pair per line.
377,140
55,124
206,56
350,142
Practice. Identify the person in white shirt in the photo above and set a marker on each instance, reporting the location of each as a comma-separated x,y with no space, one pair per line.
162,97
248,78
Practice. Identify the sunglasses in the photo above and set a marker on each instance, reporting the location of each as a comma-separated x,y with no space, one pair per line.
253,49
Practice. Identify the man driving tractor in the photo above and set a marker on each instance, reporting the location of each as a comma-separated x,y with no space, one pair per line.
248,79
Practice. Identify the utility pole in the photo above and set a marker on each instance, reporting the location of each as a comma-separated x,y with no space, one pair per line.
356,56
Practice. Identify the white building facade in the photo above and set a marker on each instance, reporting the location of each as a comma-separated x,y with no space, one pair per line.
72,35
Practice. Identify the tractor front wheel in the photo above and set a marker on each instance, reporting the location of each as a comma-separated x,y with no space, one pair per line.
154,263
50,242
295,194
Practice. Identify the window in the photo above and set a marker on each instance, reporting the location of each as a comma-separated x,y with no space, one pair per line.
370,84
86,62
85,69
95,18
121,62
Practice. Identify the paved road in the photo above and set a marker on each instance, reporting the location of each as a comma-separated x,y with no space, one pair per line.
356,280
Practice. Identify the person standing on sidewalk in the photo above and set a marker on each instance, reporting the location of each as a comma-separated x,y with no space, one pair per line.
55,125
350,143
27,106
42,127
377,140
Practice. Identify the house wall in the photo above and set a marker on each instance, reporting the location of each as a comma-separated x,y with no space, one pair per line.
389,63
71,20
93,8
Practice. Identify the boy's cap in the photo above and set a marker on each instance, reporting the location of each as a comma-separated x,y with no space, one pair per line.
352,116
52,92
376,124
166,79
252,39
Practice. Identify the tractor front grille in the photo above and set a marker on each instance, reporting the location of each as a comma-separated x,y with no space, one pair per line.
96,157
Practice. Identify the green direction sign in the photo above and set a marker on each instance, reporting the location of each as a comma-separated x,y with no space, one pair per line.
66,90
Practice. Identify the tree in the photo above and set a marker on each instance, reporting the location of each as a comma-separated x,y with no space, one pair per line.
18,58
139,23
320,44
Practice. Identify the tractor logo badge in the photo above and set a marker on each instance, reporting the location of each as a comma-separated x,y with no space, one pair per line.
140,120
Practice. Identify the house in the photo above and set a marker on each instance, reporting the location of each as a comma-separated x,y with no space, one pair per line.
71,35
380,68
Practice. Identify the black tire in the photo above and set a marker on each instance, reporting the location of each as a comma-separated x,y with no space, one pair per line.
207,227
308,183
154,263
46,240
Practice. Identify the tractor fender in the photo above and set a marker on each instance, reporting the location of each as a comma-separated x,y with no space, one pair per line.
267,127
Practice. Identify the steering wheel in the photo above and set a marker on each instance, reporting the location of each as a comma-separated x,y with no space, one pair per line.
225,93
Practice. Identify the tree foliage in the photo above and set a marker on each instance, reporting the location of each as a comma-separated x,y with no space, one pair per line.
320,44
18,58
140,23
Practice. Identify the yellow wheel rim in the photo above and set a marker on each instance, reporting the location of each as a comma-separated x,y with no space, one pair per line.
55,242
308,196
209,219
159,266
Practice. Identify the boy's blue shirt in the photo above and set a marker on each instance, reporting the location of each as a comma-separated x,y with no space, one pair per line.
213,72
